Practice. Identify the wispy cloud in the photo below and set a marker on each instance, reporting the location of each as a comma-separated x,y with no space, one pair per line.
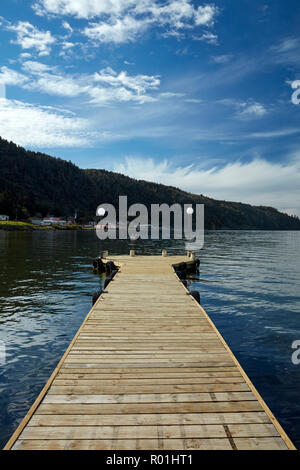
272,134
11,77
286,51
42,126
258,182
169,94
208,37
245,110
222,59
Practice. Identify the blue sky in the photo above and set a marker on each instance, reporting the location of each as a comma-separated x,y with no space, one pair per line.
196,95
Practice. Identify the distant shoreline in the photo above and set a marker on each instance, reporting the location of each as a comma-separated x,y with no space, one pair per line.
28,227
14,226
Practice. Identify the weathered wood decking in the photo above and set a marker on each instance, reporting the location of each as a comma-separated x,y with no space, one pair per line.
148,370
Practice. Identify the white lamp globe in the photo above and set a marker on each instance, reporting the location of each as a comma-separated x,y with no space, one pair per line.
190,211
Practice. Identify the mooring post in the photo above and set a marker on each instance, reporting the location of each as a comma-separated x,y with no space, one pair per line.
192,256
164,253
104,254
131,253
188,253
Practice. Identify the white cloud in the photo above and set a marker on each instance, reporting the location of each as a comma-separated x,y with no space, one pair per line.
179,13
286,52
67,26
258,182
253,110
276,133
101,88
11,77
41,126
245,110
25,55
193,100
45,79
120,21
35,67
2,90
30,37
169,94
138,83
82,8
222,59
66,45
116,31
104,96
208,37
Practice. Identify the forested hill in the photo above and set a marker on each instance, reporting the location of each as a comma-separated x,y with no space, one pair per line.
33,183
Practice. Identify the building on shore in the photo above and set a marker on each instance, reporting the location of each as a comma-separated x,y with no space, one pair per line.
53,221
36,221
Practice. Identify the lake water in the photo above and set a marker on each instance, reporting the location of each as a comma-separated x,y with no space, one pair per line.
249,285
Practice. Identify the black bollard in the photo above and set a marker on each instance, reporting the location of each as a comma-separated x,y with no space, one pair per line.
196,295
101,266
107,281
96,295
181,267
110,267
95,263
183,274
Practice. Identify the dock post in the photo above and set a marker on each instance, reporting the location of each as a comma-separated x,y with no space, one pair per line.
131,253
192,255
164,253
104,254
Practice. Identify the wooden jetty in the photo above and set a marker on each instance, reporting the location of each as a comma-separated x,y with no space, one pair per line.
148,370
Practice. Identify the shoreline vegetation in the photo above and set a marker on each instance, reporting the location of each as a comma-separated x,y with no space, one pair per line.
19,226
12,225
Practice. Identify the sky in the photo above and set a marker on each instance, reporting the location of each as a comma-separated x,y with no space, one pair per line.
201,96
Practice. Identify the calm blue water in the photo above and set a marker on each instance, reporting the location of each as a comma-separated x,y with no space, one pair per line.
249,285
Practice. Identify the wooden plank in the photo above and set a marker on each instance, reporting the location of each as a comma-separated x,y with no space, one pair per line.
125,444
159,356
151,366
143,364
149,397
124,432
154,372
144,408
84,345
95,381
253,430
262,443
137,388
170,431
149,419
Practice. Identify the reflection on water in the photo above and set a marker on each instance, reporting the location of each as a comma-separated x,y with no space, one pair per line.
249,284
